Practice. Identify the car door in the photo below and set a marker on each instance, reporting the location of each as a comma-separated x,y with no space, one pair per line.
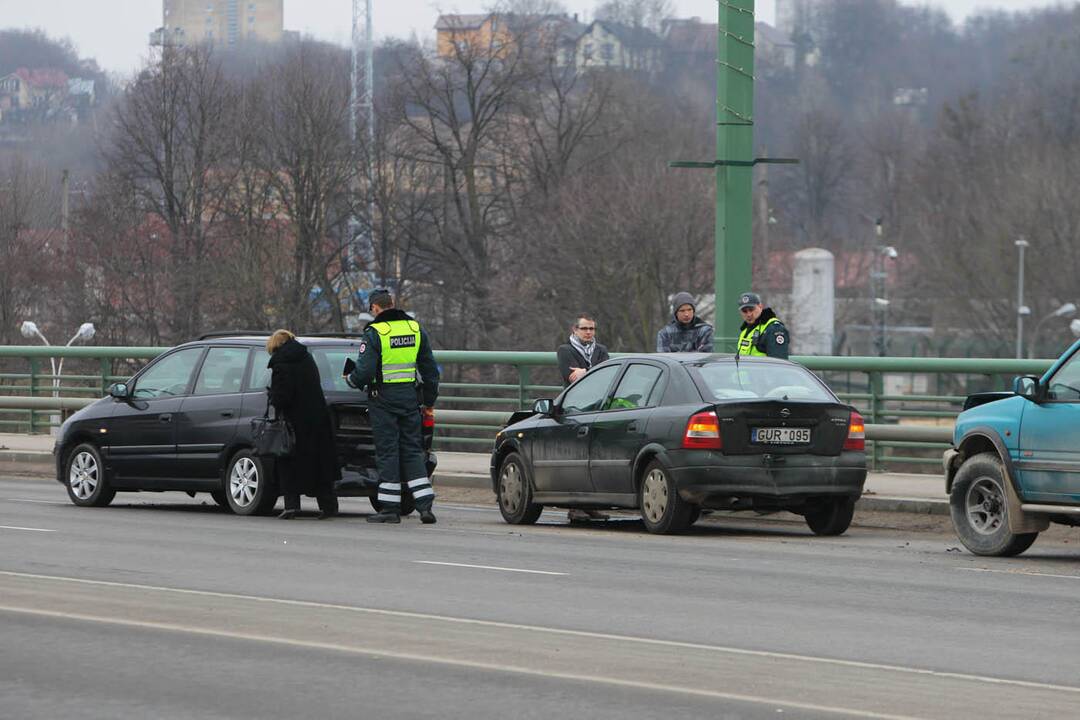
141,437
1049,445
620,430
560,460
208,417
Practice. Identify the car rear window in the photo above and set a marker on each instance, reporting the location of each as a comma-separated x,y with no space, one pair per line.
752,380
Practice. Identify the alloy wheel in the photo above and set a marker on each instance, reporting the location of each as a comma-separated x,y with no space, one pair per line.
654,496
83,475
985,505
243,482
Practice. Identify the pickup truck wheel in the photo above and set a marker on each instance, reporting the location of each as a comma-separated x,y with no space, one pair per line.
980,511
514,493
662,510
831,517
86,483
248,489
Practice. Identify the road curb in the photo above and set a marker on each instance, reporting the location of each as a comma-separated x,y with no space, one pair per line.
916,506
32,458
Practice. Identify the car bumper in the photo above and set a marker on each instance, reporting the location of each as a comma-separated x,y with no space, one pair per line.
716,479
360,481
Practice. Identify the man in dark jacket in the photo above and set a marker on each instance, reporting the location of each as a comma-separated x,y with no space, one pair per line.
296,394
686,332
393,352
761,333
576,358
582,352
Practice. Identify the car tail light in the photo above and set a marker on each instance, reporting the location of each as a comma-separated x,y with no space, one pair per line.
703,432
856,433
427,417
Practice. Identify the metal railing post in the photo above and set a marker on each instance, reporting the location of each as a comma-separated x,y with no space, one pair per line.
34,370
523,382
106,370
877,389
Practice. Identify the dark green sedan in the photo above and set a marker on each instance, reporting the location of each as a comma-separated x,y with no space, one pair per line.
671,435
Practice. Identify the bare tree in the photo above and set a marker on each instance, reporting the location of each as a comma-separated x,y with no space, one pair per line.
171,136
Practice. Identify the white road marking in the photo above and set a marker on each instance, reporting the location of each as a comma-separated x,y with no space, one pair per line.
1020,572
13,527
564,632
488,567
491,667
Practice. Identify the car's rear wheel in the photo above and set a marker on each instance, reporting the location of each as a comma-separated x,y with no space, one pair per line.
980,510
832,516
407,503
662,510
248,488
515,493
87,485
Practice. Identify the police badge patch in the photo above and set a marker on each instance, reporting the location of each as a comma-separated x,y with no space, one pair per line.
779,339
362,348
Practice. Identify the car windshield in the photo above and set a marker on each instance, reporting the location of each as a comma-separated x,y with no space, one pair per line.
753,380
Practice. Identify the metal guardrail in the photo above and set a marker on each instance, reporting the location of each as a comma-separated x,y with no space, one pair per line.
471,412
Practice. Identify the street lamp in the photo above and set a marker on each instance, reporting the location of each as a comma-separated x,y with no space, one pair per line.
880,285
1066,310
1021,308
29,329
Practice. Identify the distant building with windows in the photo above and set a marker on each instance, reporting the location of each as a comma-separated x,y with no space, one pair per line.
223,22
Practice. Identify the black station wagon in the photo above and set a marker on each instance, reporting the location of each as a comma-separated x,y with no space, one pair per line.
670,435
184,423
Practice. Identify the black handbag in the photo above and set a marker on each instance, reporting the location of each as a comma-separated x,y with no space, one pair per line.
273,437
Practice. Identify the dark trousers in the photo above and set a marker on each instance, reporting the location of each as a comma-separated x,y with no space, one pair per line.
399,449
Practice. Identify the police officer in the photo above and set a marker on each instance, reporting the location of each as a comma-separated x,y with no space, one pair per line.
394,349
761,333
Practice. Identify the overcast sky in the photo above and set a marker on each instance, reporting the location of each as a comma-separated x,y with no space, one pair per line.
115,32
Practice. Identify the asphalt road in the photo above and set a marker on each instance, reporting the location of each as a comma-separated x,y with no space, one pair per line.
163,606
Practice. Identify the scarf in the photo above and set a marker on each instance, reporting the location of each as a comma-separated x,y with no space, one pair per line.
585,350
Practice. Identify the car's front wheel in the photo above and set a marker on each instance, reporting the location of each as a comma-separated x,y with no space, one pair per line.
515,494
662,510
248,489
980,510
86,483
832,516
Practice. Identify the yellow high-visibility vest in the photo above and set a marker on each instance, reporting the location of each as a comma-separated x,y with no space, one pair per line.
749,335
399,344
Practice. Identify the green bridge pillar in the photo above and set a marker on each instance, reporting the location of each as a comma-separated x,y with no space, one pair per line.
735,163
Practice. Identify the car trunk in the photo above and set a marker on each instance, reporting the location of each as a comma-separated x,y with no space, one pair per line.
776,427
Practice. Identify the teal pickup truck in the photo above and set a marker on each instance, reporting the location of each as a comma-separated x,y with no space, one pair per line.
1015,462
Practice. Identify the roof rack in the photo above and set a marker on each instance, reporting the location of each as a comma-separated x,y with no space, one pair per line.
331,335
232,333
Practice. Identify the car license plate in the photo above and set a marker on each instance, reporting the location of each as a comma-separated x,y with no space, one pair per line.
780,436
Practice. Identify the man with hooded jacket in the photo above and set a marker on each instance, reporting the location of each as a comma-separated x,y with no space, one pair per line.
686,332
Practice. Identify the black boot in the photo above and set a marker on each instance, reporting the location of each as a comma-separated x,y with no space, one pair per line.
328,507
384,516
288,514
427,517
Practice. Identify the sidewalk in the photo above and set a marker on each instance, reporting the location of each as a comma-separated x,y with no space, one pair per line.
885,492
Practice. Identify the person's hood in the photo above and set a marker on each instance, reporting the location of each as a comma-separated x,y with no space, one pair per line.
766,315
389,315
292,351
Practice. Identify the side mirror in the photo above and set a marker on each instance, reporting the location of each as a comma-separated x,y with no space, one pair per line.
1027,387
120,391
543,407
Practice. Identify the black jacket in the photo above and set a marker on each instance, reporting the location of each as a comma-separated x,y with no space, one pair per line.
569,358
296,394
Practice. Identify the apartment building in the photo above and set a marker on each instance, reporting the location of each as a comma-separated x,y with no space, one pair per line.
226,22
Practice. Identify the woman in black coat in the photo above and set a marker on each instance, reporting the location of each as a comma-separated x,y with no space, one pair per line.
296,394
